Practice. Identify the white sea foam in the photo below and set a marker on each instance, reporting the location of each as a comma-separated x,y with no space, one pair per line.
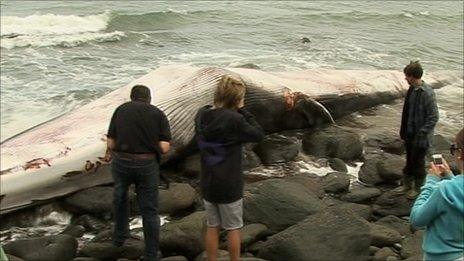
65,40
52,24
55,30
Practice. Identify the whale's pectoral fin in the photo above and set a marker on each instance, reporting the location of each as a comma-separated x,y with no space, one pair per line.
314,112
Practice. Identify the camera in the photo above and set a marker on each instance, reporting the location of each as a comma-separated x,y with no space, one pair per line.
437,159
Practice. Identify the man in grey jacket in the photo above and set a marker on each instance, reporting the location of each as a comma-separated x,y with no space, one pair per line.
420,114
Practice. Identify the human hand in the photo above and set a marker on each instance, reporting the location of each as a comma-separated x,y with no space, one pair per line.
107,158
241,104
440,170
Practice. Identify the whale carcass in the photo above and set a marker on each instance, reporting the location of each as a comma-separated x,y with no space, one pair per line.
61,155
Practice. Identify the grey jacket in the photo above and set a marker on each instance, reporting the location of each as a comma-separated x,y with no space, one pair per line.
425,117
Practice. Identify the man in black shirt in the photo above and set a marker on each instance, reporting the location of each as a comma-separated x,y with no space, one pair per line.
137,136
419,117
221,130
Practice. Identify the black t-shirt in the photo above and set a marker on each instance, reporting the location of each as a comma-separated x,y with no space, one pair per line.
220,134
137,127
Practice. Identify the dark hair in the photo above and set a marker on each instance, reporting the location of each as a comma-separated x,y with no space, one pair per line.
140,93
414,69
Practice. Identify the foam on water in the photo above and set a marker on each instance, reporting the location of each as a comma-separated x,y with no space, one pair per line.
53,24
56,30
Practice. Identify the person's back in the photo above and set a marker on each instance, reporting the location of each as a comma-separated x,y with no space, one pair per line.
138,127
440,209
220,132
137,136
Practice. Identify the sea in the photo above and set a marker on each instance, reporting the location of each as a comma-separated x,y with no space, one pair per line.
59,55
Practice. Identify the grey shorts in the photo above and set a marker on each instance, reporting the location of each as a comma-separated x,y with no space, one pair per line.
228,216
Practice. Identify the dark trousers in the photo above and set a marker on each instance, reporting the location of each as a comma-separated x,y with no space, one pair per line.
145,175
415,165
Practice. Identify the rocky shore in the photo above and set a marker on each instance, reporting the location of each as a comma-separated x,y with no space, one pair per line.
291,211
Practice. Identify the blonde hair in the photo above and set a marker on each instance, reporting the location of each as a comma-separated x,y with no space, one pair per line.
229,92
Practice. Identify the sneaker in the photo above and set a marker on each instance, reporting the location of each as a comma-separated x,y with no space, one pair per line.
412,194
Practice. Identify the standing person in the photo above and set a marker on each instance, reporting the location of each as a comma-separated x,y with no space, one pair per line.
440,209
420,114
137,136
221,130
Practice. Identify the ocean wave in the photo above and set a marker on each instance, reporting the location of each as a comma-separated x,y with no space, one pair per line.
66,40
149,21
362,15
52,24
56,30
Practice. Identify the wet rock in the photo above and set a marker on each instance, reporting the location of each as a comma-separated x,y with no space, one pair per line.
184,237
363,211
368,172
251,233
337,227
97,201
91,224
82,258
373,250
179,196
387,142
361,195
390,169
313,183
333,142
221,255
276,148
440,143
393,203
249,66
103,236
338,165
336,182
383,236
402,226
132,249
385,254
379,168
412,246
59,247
75,231
255,247
13,258
305,40
175,258
250,159
278,203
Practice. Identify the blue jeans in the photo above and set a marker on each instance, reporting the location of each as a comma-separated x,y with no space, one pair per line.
145,175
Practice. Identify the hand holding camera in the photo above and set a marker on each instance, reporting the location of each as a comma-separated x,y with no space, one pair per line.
439,167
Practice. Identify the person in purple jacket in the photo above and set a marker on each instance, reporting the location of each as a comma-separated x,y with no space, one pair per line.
440,209
220,132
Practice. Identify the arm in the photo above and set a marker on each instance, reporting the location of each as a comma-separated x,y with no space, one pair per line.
165,134
432,114
428,205
110,144
164,146
110,140
249,129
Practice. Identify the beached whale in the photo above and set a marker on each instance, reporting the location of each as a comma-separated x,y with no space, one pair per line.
61,155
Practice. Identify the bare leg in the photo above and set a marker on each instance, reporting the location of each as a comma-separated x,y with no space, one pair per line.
233,237
212,241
